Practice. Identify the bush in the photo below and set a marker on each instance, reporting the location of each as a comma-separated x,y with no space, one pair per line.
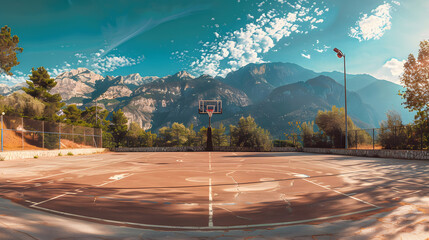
286,143
248,134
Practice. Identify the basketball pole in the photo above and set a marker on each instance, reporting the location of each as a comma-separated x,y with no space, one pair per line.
209,135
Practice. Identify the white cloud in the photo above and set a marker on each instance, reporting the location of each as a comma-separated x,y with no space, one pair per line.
391,70
373,26
111,62
248,44
96,62
320,49
53,72
17,77
308,56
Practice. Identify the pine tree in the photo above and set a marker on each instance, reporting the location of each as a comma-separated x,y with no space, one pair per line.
118,127
8,50
39,85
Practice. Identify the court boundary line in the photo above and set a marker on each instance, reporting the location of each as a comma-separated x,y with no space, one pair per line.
77,170
204,228
78,189
210,193
341,193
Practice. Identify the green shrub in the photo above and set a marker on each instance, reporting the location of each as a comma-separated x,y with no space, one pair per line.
70,154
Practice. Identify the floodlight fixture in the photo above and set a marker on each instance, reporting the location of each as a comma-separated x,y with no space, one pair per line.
340,54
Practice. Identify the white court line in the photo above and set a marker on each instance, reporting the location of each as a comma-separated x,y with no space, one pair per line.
210,204
210,161
100,185
77,190
50,199
203,228
77,170
345,171
357,199
210,193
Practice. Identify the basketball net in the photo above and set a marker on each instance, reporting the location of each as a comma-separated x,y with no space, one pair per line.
210,112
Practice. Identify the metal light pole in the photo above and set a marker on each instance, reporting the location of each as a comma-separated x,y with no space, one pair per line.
2,131
342,55
96,113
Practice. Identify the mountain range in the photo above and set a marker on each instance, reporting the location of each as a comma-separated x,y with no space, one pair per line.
273,93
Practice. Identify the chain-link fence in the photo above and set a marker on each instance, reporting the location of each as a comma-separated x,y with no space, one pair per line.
19,133
407,137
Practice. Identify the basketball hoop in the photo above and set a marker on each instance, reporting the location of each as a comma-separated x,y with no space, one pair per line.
210,112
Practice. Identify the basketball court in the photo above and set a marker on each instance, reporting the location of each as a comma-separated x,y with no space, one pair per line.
207,191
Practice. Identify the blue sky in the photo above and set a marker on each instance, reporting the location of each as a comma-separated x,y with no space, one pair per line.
162,37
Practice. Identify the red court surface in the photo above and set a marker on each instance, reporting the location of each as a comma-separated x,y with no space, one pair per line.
212,190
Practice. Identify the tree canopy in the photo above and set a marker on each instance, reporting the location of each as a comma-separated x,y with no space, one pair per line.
39,85
248,134
8,50
416,80
118,128
332,124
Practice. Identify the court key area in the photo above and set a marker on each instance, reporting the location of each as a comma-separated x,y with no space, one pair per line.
210,191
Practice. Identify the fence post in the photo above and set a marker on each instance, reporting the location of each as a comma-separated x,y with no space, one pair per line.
59,136
373,139
22,132
356,139
2,132
421,137
101,137
43,134
394,136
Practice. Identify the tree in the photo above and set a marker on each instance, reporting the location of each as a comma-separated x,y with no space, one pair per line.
73,114
39,85
22,105
331,123
8,50
416,80
178,135
218,135
118,129
137,137
248,134
96,116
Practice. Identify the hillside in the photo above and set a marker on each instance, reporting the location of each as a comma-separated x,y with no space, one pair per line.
355,82
302,100
175,99
383,96
258,80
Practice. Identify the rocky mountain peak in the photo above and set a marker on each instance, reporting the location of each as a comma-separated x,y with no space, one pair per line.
184,75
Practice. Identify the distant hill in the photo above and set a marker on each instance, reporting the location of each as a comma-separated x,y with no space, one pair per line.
383,96
175,99
78,83
258,80
302,100
355,82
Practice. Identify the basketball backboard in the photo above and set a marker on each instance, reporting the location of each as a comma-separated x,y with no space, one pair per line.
204,105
